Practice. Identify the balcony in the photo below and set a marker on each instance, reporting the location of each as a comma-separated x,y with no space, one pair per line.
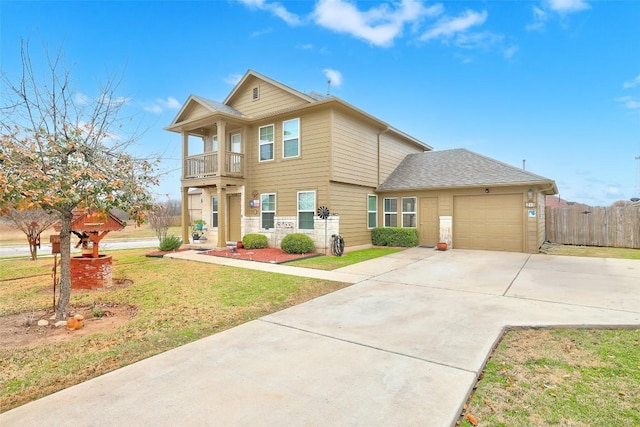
206,165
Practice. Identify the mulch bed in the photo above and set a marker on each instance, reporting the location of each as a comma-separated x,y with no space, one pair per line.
270,255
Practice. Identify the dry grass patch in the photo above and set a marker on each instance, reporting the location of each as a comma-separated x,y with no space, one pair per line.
560,377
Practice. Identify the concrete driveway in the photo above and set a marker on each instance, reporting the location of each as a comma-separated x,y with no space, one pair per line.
403,347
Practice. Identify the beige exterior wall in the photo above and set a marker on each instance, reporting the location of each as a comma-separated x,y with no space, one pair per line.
541,205
271,99
350,201
533,228
363,154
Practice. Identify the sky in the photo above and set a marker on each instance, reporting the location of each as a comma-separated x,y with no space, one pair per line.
553,83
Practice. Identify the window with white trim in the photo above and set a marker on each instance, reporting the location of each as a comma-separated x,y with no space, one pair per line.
409,214
291,138
214,211
306,209
372,211
265,136
390,212
267,210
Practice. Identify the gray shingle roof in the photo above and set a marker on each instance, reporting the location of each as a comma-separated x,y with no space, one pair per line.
219,106
455,168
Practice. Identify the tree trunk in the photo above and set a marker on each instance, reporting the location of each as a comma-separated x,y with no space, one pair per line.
65,265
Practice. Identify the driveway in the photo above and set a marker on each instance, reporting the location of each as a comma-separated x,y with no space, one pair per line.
402,347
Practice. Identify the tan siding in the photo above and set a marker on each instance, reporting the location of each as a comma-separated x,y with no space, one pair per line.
285,177
392,152
355,151
350,201
271,99
541,220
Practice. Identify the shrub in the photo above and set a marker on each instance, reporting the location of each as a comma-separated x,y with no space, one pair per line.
255,241
394,236
170,243
297,243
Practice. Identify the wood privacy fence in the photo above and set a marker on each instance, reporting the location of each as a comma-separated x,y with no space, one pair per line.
617,227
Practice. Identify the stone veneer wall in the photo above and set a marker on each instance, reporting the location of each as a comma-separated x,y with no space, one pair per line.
288,224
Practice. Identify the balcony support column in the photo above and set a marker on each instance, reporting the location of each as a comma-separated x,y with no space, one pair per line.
185,153
222,146
186,220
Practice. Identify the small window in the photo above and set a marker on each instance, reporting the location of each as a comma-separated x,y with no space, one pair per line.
214,211
390,212
256,93
409,215
306,209
372,211
266,143
268,210
291,138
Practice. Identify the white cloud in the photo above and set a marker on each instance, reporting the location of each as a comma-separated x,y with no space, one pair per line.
612,191
510,51
159,106
629,102
304,46
334,75
567,6
233,79
632,83
259,33
447,27
540,18
276,9
82,99
379,25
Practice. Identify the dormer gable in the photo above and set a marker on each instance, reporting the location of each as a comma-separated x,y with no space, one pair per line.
197,107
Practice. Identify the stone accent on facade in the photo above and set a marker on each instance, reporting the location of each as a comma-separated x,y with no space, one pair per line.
289,224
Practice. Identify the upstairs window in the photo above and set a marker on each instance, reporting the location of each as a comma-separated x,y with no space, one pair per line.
372,211
266,142
409,215
390,212
268,210
291,138
306,209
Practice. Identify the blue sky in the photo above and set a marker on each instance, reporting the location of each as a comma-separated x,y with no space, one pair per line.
552,82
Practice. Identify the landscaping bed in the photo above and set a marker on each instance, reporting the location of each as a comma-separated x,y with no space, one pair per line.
269,255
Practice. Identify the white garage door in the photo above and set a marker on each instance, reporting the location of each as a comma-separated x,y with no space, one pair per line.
490,221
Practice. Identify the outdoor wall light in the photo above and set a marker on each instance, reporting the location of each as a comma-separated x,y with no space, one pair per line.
530,193
486,190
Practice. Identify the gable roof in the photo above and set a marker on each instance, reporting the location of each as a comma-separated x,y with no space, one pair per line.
194,101
458,168
250,73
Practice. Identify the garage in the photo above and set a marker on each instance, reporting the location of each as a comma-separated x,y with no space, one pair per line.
488,221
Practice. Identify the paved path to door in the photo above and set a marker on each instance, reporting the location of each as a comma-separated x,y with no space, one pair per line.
403,346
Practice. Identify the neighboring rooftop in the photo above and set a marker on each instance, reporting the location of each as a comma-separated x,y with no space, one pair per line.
457,168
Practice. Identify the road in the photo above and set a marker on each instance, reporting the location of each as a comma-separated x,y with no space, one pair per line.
22,250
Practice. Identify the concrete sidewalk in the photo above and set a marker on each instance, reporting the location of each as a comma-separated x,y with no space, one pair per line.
403,346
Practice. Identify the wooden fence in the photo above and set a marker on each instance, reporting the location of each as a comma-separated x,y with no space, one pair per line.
617,227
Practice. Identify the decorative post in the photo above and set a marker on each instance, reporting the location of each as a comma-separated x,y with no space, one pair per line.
323,213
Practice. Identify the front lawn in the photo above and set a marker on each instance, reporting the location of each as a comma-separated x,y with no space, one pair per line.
333,262
170,302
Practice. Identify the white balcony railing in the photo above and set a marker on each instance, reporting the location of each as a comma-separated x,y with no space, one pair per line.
206,165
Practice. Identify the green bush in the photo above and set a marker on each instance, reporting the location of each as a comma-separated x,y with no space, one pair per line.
255,241
170,243
394,236
297,243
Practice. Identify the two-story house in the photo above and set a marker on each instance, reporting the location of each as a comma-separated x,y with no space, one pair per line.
268,156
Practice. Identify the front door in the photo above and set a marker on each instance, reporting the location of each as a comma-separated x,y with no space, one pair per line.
429,221
234,233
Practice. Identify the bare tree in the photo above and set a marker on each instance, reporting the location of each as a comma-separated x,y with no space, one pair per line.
61,150
160,220
32,223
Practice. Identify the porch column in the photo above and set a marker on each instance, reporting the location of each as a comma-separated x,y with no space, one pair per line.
222,147
185,153
185,214
222,214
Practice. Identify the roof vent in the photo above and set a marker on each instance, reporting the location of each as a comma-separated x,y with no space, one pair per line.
256,92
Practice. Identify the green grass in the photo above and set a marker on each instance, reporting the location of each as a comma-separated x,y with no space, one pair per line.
334,262
170,310
561,377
